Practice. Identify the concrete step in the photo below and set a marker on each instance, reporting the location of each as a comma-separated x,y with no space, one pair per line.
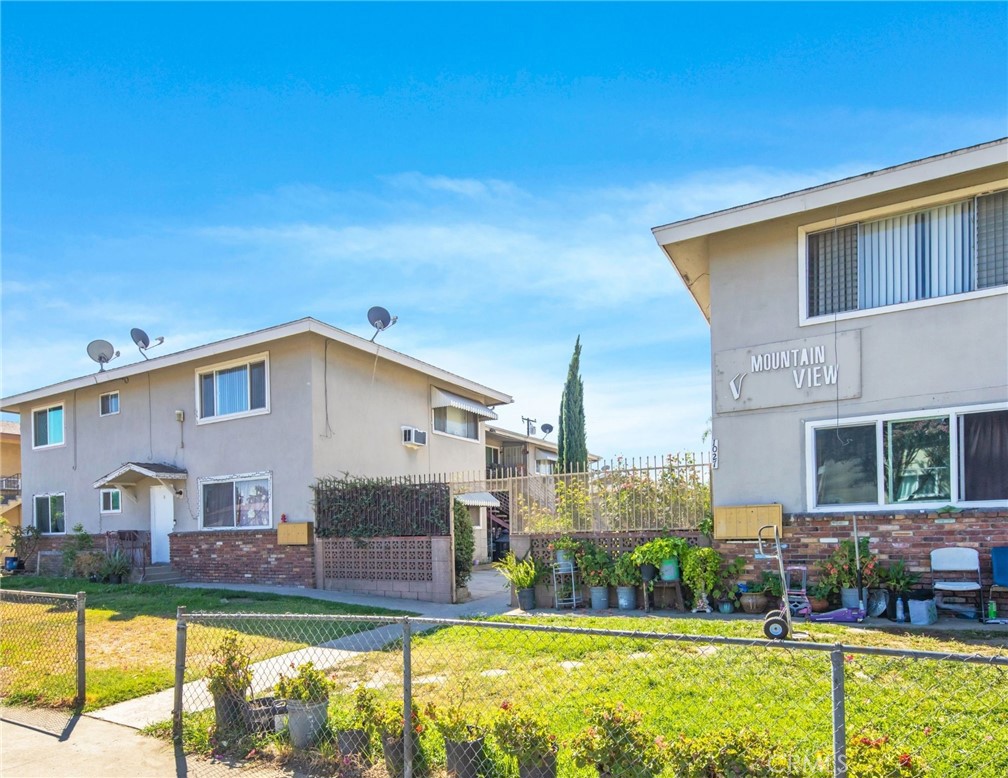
162,574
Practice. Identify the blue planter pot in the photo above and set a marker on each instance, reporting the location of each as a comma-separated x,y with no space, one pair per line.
626,597
526,599
599,597
565,559
670,570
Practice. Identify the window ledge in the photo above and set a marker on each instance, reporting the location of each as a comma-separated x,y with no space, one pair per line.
454,437
231,416
809,321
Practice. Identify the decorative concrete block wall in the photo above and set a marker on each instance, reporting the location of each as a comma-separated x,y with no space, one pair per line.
411,568
241,556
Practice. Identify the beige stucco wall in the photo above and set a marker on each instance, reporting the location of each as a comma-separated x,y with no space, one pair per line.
10,454
368,403
930,357
145,430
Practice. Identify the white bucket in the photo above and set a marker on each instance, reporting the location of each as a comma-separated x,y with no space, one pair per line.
923,612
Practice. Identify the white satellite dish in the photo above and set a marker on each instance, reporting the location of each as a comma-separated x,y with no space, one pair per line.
102,352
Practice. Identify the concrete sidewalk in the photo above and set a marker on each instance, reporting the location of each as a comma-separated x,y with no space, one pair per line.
489,597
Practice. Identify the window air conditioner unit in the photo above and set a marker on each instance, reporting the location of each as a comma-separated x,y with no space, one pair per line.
413,438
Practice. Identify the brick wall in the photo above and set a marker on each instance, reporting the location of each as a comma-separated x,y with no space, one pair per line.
241,556
904,536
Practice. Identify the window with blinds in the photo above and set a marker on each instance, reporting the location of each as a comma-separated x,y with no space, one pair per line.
233,389
946,250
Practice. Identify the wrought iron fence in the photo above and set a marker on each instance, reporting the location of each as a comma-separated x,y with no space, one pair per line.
532,700
43,645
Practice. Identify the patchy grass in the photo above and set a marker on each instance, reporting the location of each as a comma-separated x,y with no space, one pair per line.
130,637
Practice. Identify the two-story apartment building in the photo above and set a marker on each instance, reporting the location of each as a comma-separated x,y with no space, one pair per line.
229,436
859,339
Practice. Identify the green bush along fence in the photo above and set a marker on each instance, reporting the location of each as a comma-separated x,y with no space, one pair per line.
495,698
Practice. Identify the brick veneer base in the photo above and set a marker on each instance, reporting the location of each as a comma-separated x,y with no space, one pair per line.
241,556
910,537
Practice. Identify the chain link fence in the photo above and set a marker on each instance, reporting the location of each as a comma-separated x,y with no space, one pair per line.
42,649
330,695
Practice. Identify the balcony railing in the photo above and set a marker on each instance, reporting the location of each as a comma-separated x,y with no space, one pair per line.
10,483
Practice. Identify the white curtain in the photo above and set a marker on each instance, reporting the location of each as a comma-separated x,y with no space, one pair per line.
232,390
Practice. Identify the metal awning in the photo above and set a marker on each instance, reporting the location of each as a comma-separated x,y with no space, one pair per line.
442,399
478,500
546,456
133,472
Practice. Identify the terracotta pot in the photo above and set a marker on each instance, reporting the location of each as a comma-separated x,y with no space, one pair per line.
819,604
753,602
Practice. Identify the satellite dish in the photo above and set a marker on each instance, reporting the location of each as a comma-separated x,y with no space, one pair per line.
102,352
380,319
143,342
546,429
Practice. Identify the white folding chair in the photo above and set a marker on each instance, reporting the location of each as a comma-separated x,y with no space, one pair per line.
957,560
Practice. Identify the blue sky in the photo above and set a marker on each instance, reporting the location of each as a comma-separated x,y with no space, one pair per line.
489,173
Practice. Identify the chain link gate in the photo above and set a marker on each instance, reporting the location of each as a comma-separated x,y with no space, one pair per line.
42,660
414,697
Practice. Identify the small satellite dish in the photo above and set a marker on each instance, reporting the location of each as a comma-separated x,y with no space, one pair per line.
546,429
102,352
380,319
143,342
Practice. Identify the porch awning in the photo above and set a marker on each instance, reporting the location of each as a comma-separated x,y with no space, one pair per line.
442,399
133,472
478,500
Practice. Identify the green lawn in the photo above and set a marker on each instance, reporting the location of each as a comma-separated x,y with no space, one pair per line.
130,637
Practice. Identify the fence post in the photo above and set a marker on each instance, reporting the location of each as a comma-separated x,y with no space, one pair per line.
407,703
180,661
839,714
81,653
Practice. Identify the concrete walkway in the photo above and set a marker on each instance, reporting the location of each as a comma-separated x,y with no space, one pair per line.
486,587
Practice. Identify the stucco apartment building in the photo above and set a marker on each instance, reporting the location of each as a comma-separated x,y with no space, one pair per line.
859,338
206,449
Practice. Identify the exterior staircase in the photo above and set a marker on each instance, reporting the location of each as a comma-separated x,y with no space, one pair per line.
162,574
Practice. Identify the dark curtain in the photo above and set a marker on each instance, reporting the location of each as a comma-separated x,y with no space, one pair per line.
985,456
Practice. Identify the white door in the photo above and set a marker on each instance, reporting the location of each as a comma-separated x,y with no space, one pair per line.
162,521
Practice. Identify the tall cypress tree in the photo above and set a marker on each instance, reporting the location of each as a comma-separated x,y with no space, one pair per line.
572,445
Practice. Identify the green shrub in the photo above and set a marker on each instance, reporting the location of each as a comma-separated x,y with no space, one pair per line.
731,753
616,743
465,544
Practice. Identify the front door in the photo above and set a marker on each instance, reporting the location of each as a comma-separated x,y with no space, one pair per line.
162,521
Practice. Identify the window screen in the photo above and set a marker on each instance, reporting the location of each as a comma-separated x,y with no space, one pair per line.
832,266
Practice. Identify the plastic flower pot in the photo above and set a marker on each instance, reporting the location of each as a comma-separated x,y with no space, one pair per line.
464,758
626,597
305,720
670,570
849,598
648,572
541,768
725,606
352,742
564,559
526,599
599,597
229,713
395,759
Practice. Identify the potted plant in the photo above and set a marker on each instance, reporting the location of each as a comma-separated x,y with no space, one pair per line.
771,585
725,592
116,567
524,735
616,744
564,548
626,578
665,553
307,697
819,594
464,732
898,579
24,541
752,599
522,575
353,726
701,572
390,725
229,678
841,566
596,568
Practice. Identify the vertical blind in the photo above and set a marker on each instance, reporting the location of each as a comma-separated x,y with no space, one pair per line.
916,256
991,240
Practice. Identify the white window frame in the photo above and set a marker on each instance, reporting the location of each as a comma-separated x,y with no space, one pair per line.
200,371
62,406
479,428
920,203
952,414
266,475
102,397
101,500
49,495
